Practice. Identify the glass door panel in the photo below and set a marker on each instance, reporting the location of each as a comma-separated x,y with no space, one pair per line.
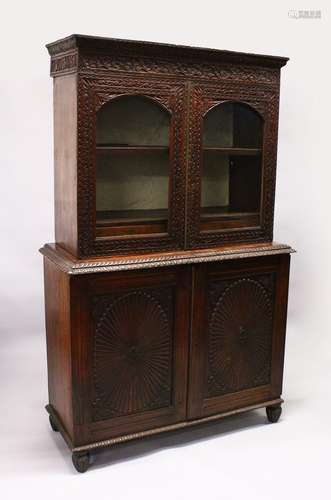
231,167
132,167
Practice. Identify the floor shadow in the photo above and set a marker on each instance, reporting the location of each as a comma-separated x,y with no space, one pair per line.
174,439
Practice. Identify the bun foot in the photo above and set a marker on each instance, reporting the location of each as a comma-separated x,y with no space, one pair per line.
53,424
273,413
81,461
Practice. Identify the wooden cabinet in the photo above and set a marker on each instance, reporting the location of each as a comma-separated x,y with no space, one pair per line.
135,336
165,296
238,334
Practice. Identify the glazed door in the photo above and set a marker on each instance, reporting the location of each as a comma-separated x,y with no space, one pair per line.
232,164
132,161
135,342
237,344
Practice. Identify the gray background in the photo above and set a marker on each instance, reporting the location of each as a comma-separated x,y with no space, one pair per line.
241,456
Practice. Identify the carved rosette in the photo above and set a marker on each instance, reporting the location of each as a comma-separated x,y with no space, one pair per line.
240,338
132,354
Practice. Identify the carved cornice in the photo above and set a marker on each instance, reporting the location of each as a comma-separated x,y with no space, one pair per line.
64,63
102,54
111,46
63,45
159,260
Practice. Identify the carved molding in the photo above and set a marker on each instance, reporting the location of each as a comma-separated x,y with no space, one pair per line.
92,94
101,65
103,75
172,427
265,101
106,54
61,46
155,261
64,63
162,67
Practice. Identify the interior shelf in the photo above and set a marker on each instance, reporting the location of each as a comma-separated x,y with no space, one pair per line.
234,151
130,149
210,212
104,218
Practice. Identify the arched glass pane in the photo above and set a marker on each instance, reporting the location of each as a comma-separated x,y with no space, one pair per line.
132,121
232,125
232,163
132,167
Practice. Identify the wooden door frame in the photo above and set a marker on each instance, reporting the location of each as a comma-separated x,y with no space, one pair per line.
92,94
264,101
198,405
83,288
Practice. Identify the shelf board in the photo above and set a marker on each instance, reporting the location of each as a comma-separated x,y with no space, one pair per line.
234,151
130,149
224,212
123,217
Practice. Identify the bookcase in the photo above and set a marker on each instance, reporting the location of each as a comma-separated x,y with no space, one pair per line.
165,294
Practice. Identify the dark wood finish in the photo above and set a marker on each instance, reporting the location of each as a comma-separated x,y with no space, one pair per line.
125,231
238,334
94,92
106,343
273,413
162,319
65,162
126,223
81,461
262,99
68,263
234,151
130,149
53,424
187,82
57,309
159,430
133,333
210,224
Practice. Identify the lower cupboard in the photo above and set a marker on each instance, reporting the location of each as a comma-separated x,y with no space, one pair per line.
135,353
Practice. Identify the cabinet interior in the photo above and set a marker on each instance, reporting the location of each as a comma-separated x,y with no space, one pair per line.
231,165
132,166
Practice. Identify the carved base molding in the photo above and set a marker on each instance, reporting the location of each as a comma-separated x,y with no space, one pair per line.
159,430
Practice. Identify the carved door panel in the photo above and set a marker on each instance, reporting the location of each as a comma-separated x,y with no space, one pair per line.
238,334
136,344
231,163
131,165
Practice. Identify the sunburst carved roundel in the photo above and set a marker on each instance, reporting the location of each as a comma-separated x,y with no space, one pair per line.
132,356
240,337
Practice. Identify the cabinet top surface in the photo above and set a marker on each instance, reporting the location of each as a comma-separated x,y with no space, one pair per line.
72,265
152,49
